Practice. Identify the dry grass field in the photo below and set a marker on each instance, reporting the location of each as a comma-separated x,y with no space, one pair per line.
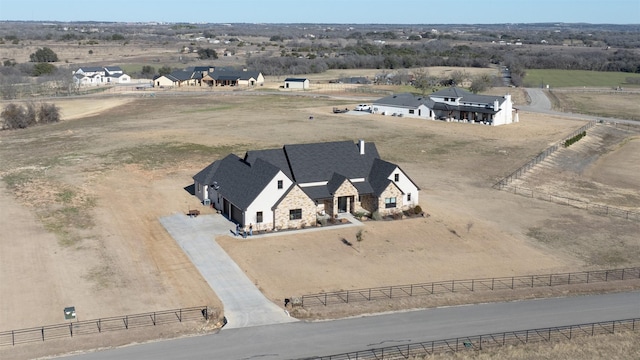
89,190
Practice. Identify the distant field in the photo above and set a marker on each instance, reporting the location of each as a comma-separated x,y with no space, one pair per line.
573,78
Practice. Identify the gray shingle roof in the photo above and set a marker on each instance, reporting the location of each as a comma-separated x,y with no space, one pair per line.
238,181
466,96
295,79
406,100
241,180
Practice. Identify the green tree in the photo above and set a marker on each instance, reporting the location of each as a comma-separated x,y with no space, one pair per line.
207,53
147,71
43,69
117,37
43,55
164,70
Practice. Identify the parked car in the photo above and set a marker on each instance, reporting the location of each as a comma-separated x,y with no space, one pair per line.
363,107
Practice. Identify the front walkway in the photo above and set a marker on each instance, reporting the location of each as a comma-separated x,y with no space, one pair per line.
244,304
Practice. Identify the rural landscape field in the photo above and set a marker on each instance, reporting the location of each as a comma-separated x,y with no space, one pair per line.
82,198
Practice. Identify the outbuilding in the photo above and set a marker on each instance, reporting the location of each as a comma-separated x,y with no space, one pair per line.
296,83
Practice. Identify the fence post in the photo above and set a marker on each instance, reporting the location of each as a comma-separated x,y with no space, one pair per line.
42,333
453,285
180,318
472,281
411,290
13,338
588,272
512,283
492,281
325,299
347,296
71,329
369,294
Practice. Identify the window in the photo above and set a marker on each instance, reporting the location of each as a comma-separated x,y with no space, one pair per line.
396,177
390,202
409,197
199,187
259,217
411,111
295,214
279,184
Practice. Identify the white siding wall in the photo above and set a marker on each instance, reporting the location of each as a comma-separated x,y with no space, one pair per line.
406,186
265,201
424,111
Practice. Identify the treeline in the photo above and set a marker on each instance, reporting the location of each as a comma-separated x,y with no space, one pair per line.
15,116
314,58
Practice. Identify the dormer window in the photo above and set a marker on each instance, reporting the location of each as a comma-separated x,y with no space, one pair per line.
279,184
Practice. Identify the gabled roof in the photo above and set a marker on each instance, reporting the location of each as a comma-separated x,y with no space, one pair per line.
406,100
239,182
182,75
112,68
466,96
91,69
319,161
330,164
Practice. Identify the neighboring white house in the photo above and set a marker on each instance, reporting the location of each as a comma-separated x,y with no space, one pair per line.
291,186
404,105
451,104
296,83
96,75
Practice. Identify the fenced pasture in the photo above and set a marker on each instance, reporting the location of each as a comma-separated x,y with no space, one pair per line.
556,78
85,327
467,286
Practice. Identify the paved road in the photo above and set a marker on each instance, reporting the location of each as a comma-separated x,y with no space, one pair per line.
301,339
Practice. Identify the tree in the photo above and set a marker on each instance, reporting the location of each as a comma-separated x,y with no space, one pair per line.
48,113
164,70
147,71
19,117
43,55
207,53
481,83
14,117
43,69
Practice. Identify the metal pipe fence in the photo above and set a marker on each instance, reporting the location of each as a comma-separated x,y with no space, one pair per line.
468,285
539,158
487,341
598,209
86,327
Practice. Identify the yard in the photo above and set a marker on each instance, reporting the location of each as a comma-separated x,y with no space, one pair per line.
89,191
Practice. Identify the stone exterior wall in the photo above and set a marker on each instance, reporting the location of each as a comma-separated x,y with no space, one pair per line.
346,189
369,203
295,199
391,191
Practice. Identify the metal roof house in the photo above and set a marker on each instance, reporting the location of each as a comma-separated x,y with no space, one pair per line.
451,104
290,186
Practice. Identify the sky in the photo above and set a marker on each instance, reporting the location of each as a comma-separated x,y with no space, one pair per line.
327,11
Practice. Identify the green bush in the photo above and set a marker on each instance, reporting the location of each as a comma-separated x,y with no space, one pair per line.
417,209
574,139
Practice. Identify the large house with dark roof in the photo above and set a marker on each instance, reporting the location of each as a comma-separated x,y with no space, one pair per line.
451,104
290,187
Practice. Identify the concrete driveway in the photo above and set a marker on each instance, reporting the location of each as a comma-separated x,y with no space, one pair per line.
244,304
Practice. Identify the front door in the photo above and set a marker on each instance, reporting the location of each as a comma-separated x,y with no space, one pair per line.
342,204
